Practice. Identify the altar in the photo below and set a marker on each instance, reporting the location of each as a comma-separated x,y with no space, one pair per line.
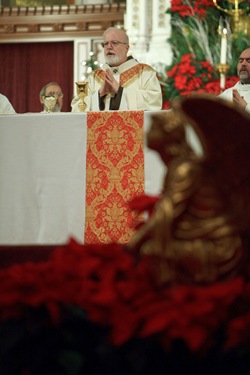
56,175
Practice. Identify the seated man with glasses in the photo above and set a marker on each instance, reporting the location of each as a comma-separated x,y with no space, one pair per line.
52,89
122,83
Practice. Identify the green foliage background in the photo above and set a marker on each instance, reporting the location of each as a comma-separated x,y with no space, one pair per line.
191,43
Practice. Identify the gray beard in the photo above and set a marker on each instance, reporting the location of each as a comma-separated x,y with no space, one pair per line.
244,77
112,60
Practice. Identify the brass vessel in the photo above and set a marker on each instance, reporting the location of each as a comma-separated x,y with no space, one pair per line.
82,92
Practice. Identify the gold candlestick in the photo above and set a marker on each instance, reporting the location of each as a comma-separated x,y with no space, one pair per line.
236,13
82,92
223,70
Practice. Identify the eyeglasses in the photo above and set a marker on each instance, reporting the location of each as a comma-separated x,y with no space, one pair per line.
59,94
113,43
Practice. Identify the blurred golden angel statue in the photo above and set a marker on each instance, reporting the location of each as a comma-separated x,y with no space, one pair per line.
199,229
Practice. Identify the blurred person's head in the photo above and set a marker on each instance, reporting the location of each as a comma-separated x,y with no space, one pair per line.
52,89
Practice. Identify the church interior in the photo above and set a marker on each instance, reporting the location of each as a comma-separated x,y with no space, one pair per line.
124,231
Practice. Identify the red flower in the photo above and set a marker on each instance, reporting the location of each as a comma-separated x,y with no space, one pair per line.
172,72
191,7
143,203
121,292
192,76
238,332
231,81
166,104
180,82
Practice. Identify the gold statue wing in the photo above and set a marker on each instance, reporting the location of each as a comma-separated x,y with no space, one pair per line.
224,132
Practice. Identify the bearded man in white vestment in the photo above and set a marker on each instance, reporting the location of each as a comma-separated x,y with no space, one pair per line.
5,106
239,94
122,83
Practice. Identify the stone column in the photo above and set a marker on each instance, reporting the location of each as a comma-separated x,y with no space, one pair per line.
138,26
148,28
159,48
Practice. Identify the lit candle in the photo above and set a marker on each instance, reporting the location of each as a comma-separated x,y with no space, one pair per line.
223,49
222,82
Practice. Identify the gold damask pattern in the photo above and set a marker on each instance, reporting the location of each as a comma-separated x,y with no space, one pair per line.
115,174
133,74
127,77
99,75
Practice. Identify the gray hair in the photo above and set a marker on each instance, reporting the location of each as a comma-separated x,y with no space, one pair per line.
43,90
117,29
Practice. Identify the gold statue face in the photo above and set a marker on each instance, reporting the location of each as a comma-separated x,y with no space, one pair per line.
166,130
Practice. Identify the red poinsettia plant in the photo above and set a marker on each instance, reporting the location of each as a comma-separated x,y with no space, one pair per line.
190,76
188,8
121,294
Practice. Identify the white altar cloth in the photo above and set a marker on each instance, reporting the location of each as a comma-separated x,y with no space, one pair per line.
43,171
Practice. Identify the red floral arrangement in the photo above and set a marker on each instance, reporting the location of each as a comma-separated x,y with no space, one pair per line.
201,6
184,7
190,76
122,295
195,44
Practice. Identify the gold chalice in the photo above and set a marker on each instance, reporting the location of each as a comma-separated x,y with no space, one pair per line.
49,103
82,92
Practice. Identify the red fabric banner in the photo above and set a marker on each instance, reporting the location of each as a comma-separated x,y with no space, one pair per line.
114,174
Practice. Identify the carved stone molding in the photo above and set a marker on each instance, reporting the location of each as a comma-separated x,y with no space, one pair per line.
65,21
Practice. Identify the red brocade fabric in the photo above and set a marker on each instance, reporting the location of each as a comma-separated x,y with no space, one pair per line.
114,174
